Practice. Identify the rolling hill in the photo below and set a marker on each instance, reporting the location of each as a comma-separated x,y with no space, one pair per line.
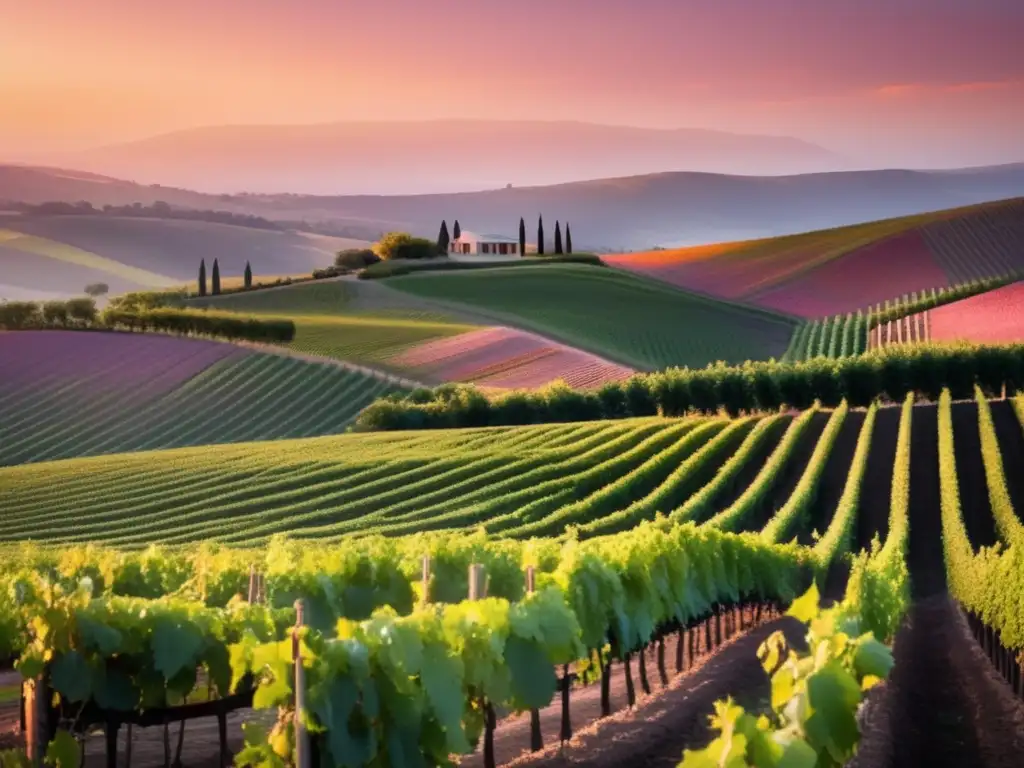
630,320
836,271
61,254
612,214
74,393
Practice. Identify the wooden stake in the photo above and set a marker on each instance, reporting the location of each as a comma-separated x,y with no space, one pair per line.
302,754
536,737
35,720
426,578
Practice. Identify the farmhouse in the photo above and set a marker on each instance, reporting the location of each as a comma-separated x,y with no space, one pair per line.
487,245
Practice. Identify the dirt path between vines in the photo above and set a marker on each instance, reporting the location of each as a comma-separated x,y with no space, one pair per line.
662,725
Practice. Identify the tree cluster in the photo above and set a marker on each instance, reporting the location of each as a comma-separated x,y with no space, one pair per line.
401,245
26,315
888,374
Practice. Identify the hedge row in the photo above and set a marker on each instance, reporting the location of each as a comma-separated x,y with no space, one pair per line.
201,323
25,315
886,374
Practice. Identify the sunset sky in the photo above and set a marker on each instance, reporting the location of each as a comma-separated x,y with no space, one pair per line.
886,82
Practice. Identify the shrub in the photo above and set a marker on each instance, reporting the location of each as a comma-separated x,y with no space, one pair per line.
201,323
55,313
82,311
355,258
18,315
401,245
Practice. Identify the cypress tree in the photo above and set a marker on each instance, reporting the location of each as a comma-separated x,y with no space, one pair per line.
558,239
540,235
456,231
442,238
202,277
522,237
215,279
568,238
248,274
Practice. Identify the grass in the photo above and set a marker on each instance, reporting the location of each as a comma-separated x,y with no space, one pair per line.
628,319
347,320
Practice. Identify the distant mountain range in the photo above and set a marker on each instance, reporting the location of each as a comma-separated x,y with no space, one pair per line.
436,156
614,214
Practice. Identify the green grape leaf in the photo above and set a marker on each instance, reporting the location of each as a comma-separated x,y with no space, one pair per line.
98,637
218,666
532,676
175,647
798,754
442,679
62,752
833,696
873,658
805,608
31,664
275,691
71,677
113,689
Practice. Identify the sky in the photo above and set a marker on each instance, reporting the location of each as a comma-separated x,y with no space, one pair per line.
909,83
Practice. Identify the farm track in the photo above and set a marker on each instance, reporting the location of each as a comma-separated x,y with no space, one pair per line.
944,705
970,469
924,548
833,478
876,493
1011,447
787,479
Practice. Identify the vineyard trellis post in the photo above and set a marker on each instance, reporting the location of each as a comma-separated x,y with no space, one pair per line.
302,747
35,720
536,737
478,591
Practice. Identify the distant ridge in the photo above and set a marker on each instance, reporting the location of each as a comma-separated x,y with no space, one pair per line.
612,214
437,156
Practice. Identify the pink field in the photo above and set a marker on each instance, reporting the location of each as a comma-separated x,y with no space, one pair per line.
993,317
868,275
88,362
509,359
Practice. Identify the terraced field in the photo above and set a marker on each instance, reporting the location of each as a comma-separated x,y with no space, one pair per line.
843,270
68,393
627,319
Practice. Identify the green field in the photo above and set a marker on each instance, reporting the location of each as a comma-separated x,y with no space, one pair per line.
348,320
625,318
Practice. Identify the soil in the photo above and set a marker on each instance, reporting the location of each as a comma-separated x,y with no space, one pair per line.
789,475
833,478
944,704
1011,446
876,490
656,732
970,470
924,554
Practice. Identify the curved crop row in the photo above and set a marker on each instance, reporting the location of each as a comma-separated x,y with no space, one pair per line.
757,493
803,495
836,540
1010,527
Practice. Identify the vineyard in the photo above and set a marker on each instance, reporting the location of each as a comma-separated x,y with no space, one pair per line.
71,393
702,508
843,270
631,320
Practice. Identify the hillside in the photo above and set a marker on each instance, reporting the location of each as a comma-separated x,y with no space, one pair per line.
370,322
389,157
625,213
841,270
627,319
130,253
74,393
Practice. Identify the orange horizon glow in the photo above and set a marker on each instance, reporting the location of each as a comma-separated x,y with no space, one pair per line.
881,81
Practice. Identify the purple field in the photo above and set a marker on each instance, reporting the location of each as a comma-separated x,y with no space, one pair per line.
65,394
